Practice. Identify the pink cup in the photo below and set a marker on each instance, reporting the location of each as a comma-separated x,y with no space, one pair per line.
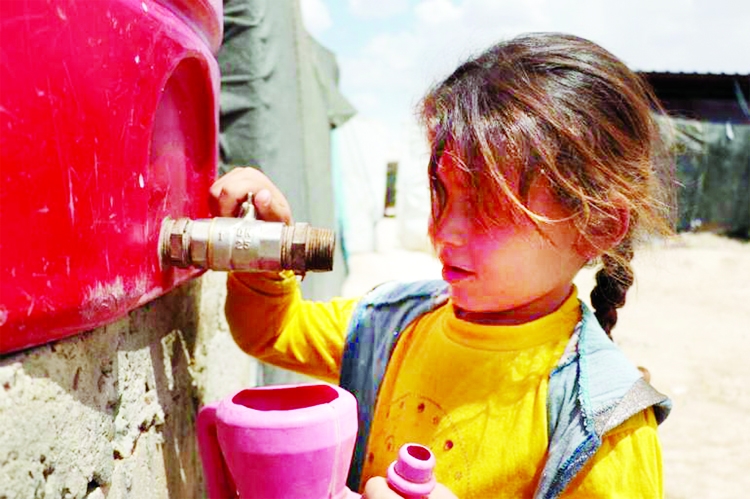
279,442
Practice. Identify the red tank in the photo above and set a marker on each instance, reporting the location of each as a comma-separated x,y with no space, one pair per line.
108,123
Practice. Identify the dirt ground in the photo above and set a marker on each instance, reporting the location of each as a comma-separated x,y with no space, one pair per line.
688,321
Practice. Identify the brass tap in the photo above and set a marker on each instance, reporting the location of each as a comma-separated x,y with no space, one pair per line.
245,244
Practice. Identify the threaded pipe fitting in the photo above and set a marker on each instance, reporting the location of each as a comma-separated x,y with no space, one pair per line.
245,244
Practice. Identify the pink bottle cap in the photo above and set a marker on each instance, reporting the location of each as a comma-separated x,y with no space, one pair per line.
412,473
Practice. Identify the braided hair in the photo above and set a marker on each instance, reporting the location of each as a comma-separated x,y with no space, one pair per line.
612,283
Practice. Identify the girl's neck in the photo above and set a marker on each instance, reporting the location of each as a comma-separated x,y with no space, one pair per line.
535,309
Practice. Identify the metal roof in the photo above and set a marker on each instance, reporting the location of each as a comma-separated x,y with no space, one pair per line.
721,86
708,96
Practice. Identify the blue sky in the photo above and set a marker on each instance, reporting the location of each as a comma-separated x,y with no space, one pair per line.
390,51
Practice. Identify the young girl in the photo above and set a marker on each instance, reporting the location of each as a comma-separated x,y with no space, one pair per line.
543,160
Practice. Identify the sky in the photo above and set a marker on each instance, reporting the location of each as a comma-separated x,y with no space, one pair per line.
391,51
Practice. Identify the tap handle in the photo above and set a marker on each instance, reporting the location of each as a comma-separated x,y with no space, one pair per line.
247,208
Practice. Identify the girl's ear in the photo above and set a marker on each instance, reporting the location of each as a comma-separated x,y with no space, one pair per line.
603,231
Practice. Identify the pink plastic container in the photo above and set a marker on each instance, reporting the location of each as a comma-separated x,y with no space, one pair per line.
108,124
279,442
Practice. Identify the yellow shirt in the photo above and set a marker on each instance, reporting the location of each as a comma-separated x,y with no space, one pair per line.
475,394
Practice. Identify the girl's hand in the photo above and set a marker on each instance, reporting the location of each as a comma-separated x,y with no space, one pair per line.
230,191
377,488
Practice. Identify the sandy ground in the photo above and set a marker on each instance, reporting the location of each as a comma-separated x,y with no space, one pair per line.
688,321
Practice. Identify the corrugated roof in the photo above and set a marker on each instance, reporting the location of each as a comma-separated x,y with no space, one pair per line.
706,96
695,73
698,85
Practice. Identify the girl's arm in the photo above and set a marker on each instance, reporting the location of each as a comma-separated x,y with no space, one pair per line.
265,310
269,320
628,464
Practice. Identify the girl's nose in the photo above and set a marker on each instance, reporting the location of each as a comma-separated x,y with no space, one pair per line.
451,229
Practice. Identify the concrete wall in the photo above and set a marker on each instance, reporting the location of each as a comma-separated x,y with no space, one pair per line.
111,412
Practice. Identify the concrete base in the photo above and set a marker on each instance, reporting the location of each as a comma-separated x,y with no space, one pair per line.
111,412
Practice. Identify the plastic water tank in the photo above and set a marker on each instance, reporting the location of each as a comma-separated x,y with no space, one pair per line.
108,123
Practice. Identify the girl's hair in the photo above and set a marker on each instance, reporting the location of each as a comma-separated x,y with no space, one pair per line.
563,107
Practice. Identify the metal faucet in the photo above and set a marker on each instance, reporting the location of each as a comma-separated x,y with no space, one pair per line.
245,244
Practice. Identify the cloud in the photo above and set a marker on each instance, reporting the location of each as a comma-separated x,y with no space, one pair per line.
316,16
394,69
436,12
380,9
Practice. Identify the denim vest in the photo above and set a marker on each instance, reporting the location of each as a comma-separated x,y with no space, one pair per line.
592,390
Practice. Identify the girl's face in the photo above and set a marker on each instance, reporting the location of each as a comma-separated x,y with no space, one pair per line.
511,269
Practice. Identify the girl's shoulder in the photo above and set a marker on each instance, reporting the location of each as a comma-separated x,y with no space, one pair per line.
604,380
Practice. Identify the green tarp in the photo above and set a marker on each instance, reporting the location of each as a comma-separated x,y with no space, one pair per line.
279,102
713,168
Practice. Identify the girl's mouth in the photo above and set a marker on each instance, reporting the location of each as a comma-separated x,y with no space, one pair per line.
453,274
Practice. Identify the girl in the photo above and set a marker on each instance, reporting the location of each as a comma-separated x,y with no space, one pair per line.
543,160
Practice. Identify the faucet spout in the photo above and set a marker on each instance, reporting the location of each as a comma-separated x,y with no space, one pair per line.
245,244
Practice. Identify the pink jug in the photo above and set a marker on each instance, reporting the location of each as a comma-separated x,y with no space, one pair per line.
279,442
294,442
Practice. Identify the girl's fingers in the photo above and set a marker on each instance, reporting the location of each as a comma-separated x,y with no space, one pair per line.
377,488
231,190
264,209
228,192
271,208
227,201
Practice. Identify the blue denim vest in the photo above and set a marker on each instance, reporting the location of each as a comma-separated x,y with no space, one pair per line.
592,390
